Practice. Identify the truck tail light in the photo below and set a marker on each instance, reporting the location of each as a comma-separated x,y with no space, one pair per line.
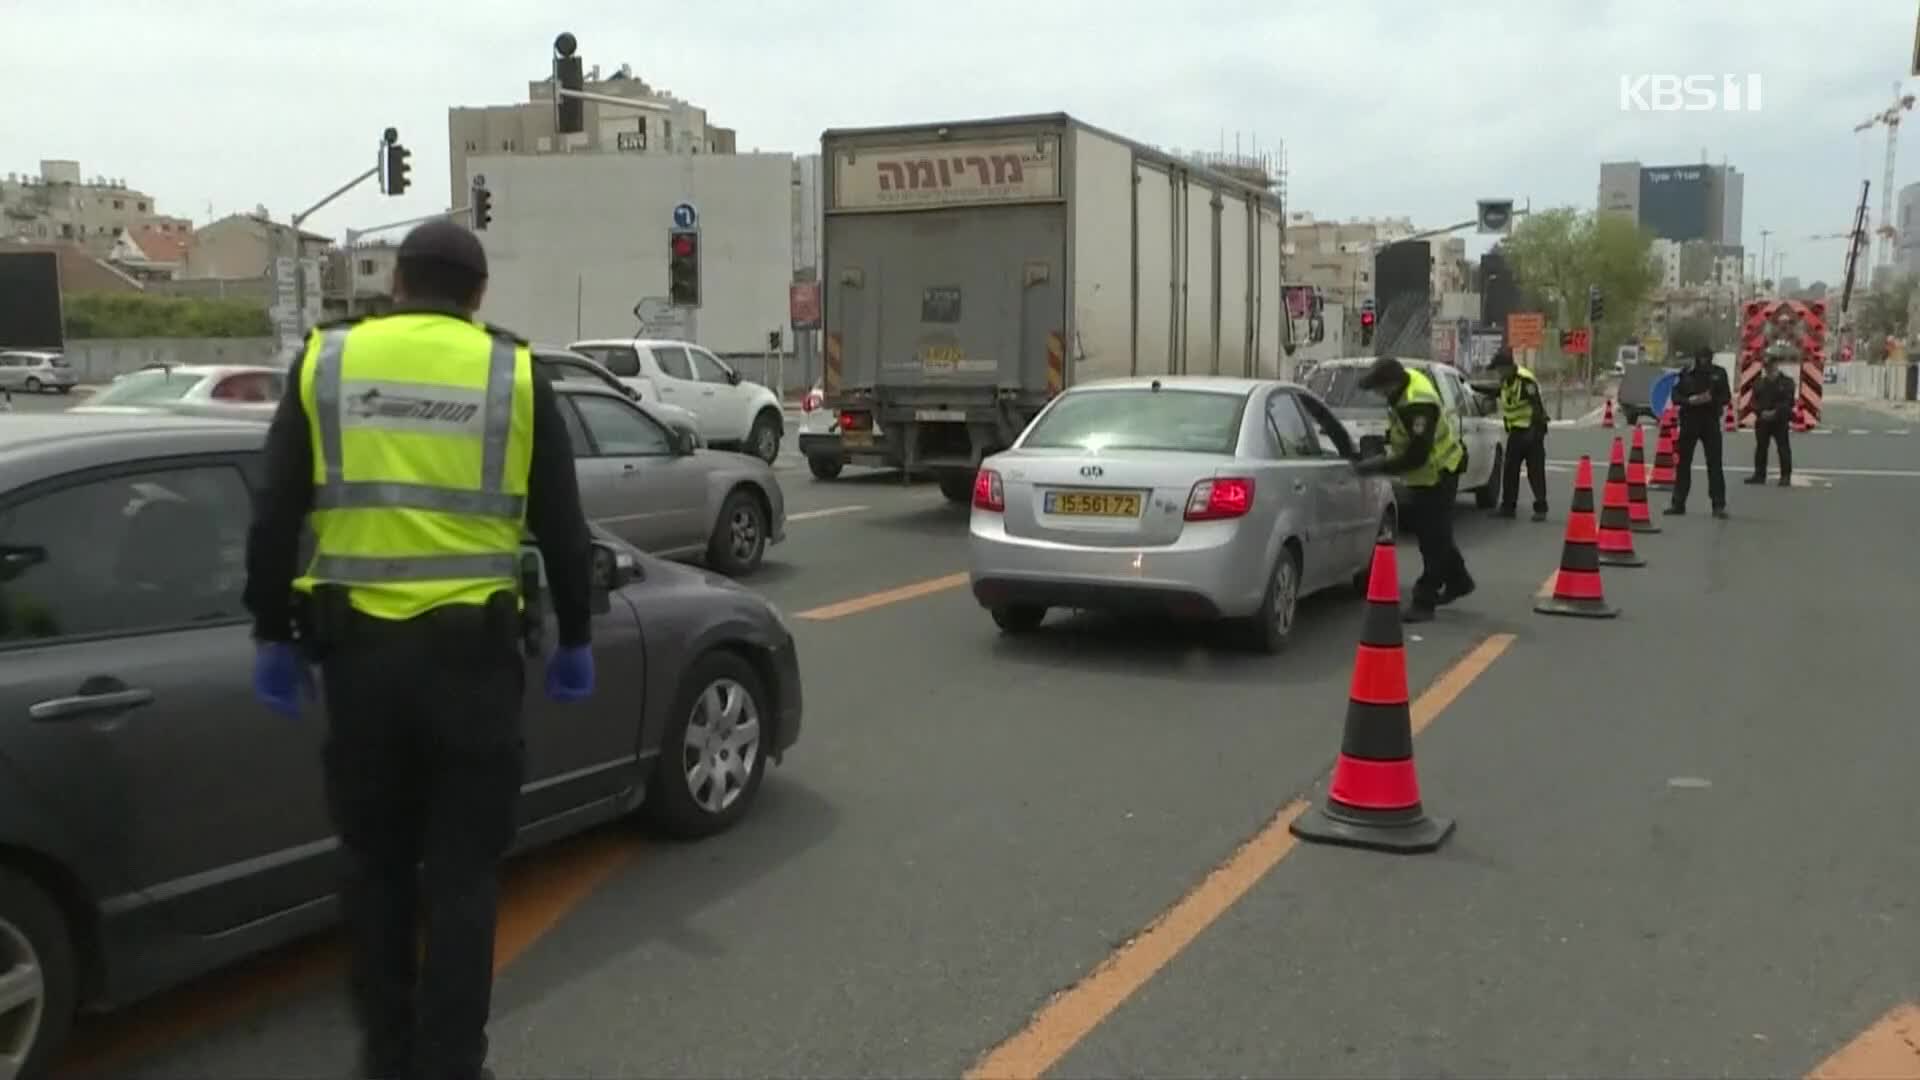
1218,499
987,492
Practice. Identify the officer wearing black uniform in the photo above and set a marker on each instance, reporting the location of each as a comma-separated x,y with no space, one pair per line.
1702,395
418,446
1525,415
1425,451
1774,396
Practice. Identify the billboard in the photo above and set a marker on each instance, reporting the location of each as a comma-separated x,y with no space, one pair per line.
30,315
1677,202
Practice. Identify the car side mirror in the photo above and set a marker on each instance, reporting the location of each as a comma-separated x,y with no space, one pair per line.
611,570
733,377
684,442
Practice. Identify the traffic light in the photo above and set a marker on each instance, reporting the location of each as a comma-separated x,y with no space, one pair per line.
482,205
393,175
1366,323
683,268
773,341
1596,306
569,113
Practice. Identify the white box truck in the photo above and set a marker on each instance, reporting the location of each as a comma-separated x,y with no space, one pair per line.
975,269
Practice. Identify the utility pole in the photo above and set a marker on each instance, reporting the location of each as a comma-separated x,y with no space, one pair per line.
1760,285
354,236
390,151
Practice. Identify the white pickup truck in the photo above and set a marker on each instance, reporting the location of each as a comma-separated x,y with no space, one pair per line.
733,414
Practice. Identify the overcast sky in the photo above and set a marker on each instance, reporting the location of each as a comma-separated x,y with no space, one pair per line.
1384,106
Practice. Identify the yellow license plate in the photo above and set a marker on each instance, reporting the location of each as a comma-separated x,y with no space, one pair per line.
1121,504
857,438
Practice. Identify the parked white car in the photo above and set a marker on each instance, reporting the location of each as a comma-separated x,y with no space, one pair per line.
734,414
35,372
184,387
1476,417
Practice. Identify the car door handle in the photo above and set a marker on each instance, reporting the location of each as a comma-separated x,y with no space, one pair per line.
86,704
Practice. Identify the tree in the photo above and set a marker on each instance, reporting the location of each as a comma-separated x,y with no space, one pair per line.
1557,255
140,315
1689,335
1882,313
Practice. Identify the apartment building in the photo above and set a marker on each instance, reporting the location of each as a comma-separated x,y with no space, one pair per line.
59,203
673,126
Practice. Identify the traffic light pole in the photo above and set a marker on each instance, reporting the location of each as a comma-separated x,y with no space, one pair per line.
354,235
609,99
300,262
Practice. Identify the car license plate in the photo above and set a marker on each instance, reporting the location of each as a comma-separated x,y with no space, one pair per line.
949,415
1115,504
857,438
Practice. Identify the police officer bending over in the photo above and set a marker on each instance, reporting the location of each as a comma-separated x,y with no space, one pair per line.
1703,395
1425,451
418,445
1774,397
1526,418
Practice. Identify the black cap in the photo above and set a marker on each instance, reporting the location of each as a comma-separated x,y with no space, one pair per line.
1385,371
445,242
1704,352
1503,358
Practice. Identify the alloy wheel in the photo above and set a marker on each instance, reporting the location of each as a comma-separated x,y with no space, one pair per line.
722,745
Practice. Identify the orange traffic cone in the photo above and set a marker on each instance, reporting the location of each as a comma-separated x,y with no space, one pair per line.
1577,589
1606,420
1616,520
1638,512
1799,417
1663,471
1373,800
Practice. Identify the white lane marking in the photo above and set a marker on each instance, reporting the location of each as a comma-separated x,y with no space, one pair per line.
1898,431
1858,431
831,511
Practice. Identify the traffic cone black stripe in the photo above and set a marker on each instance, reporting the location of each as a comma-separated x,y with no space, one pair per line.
1376,733
1380,626
1582,501
1581,557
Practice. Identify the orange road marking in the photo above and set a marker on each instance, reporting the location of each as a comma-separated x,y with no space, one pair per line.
1889,1050
1545,591
537,893
1074,1013
870,601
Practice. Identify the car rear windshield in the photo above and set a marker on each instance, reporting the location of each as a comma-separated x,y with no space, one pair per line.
146,387
1192,421
1339,387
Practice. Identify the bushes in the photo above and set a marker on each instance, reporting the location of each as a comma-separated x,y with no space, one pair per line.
139,315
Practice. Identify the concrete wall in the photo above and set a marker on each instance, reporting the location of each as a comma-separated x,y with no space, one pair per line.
578,239
98,360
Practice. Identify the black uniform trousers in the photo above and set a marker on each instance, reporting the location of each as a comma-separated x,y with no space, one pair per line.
1524,446
424,759
1774,432
1704,434
1429,516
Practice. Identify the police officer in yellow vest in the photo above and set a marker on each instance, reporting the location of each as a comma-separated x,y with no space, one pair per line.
1527,424
1425,451
418,446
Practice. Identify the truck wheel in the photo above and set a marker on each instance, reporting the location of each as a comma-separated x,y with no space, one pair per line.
1487,495
957,487
824,468
38,977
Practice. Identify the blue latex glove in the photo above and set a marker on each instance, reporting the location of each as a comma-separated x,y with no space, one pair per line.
570,674
280,676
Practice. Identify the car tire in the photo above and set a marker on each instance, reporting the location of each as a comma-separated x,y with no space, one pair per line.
720,693
763,440
739,538
1270,628
825,468
34,936
65,389
32,385
1389,527
1487,495
1019,618
957,487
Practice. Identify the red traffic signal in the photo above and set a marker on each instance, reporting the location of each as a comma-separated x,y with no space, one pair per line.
683,245
1366,318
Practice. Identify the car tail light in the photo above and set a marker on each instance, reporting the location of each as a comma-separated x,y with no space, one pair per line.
853,421
1220,498
987,492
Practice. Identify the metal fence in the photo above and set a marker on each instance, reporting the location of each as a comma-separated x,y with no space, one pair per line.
1875,382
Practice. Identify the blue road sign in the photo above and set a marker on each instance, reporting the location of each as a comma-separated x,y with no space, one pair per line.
684,216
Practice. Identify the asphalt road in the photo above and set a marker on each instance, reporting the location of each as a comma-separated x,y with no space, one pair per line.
1686,841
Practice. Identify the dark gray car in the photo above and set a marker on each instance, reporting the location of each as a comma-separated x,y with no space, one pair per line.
156,822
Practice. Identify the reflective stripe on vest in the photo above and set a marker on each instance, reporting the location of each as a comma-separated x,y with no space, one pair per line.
1447,450
1514,405
422,431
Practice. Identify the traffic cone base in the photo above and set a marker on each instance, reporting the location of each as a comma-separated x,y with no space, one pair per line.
1373,798
1577,588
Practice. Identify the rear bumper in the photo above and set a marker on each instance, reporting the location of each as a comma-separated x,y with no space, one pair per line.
1208,577
832,447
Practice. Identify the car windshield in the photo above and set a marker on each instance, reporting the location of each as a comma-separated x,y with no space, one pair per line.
1193,421
147,387
1339,387
56,361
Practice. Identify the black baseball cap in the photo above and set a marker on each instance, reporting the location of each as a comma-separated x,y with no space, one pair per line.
445,242
1385,371
1503,358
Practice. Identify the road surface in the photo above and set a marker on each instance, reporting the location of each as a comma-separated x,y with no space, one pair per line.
1686,839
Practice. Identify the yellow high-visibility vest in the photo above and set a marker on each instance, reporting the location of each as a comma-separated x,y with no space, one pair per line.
1515,406
1447,448
422,429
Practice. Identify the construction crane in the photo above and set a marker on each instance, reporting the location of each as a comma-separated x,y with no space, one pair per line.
1890,116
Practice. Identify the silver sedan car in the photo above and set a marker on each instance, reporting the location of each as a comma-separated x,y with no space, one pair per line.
1192,496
